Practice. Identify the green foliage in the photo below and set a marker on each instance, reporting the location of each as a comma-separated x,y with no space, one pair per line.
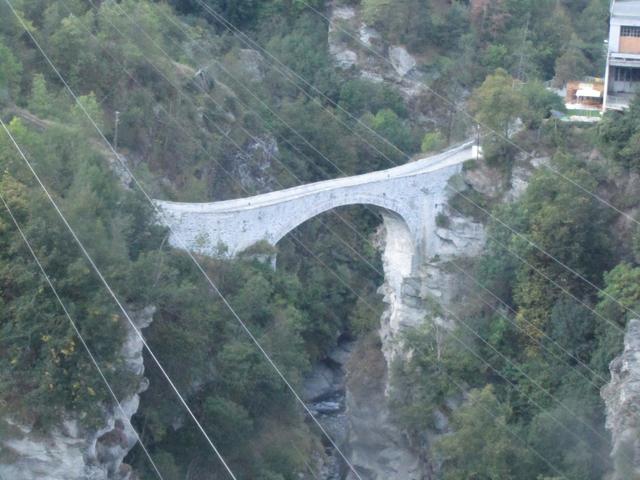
619,134
422,383
40,100
497,104
480,427
567,224
10,70
43,367
571,65
442,220
621,296
359,96
296,47
540,102
432,141
407,21
387,123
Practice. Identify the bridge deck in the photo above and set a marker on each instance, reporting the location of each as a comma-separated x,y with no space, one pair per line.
428,164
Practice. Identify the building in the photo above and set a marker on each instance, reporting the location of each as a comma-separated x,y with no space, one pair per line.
588,93
622,78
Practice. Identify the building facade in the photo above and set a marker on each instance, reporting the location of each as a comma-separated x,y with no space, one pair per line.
622,78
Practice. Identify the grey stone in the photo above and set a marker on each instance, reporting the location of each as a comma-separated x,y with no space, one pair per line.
622,399
72,452
402,60
238,224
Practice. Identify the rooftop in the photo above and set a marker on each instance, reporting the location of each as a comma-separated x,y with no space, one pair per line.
626,8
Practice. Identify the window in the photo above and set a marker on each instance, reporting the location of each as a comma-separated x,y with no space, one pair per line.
623,74
627,31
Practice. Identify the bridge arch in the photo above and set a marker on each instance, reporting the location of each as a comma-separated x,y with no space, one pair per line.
400,233
384,204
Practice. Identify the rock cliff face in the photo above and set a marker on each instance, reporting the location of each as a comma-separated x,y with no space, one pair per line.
379,449
70,451
622,398
365,52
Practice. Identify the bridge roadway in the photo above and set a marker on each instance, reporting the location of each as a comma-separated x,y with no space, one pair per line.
413,192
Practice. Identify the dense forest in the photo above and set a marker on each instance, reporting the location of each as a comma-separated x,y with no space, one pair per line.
533,339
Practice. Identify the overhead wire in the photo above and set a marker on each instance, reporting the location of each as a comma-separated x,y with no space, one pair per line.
229,25
95,267
298,134
501,375
465,112
232,28
563,265
264,51
491,367
75,328
321,154
160,213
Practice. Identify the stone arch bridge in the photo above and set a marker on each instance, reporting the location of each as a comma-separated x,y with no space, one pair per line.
408,196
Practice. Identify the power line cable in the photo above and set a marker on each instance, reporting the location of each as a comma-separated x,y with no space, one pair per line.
571,270
493,369
574,272
339,278
563,289
113,295
229,25
292,73
225,134
504,357
547,462
160,48
77,331
288,125
191,256
461,109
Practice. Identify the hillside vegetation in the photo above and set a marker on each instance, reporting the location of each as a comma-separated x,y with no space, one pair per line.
193,109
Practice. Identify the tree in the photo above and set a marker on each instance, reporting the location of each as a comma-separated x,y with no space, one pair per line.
497,104
407,21
10,70
432,141
540,102
553,219
230,423
40,101
387,123
621,296
488,17
571,65
481,446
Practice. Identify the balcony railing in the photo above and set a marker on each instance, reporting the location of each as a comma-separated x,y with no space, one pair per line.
624,59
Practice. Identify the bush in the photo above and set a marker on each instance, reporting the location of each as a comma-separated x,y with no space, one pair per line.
442,220
432,141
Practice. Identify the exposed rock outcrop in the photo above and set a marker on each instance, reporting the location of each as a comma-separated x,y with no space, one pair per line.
622,398
71,451
354,44
379,449
252,165
402,60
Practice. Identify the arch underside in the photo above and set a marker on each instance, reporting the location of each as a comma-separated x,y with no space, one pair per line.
386,206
